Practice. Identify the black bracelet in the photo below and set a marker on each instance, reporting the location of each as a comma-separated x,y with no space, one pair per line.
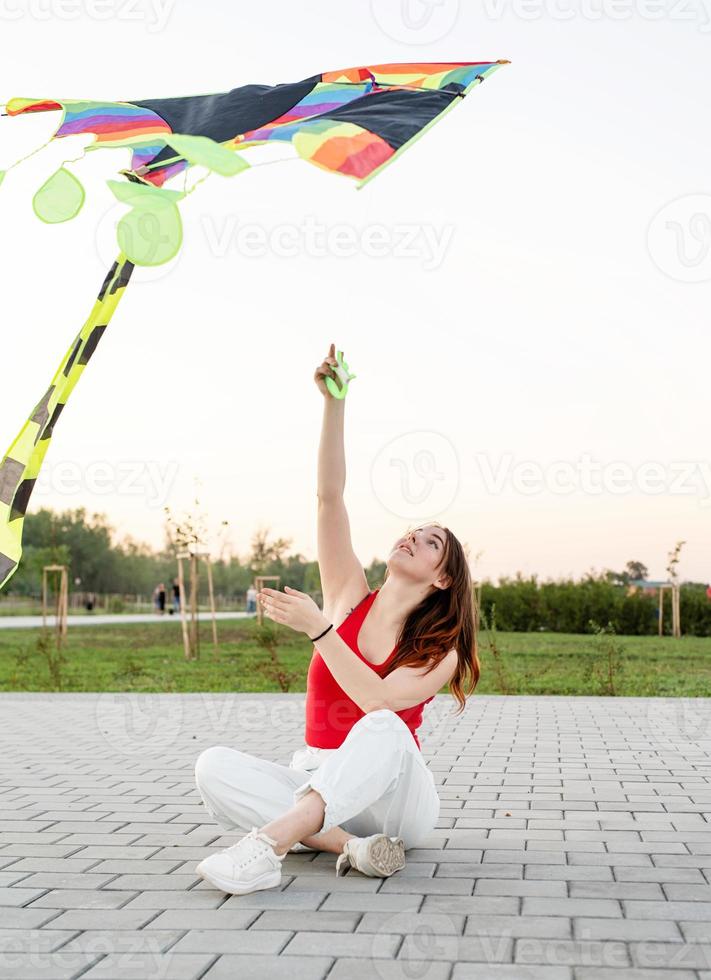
313,640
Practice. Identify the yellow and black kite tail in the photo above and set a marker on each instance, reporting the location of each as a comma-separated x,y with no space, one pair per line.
21,465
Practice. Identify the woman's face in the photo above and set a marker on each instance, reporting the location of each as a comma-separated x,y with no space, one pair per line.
418,553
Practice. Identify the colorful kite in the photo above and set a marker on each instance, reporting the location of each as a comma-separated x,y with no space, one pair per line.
352,122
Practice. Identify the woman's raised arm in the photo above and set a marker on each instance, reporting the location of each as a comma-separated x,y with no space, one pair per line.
343,581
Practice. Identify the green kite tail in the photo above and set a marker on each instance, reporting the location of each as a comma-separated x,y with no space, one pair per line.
20,467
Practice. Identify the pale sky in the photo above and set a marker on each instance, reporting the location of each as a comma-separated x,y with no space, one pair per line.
524,295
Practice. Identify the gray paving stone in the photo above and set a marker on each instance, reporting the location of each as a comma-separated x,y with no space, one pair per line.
272,899
171,899
8,878
271,967
33,940
102,919
242,941
651,955
699,911
54,879
203,919
472,905
506,971
367,945
542,927
19,896
72,865
405,921
311,921
125,866
615,889
529,887
552,872
445,946
631,973
692,875
355,968
684,892
38,966
606,850
378,904
142,965
82,898
626,929
24,918
110,941
572,907
572,952
695,932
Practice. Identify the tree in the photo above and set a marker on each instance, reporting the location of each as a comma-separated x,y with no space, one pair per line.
635,570
674,557
265,552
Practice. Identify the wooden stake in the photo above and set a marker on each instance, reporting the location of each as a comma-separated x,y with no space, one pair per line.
194,638
184,622
212,602
61,600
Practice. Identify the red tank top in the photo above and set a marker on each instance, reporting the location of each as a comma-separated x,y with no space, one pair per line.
330,713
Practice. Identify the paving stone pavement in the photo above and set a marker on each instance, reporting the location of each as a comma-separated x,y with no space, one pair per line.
574,843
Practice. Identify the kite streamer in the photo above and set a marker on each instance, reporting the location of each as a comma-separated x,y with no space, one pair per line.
20,467
353,122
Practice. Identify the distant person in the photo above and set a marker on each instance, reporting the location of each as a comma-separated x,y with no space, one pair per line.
176,596
89,602
159,598
251,599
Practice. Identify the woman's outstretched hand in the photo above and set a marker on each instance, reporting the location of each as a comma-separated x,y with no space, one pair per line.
293,608
325,370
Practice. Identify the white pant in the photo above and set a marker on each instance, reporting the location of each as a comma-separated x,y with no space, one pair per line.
376,781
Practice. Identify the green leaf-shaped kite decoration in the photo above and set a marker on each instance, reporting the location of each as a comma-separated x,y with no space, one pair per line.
150,236
60,198
143,195
208,153
152,232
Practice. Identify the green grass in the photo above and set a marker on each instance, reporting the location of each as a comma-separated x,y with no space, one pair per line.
149,657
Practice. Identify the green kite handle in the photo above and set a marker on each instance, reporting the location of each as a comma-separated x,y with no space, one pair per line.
344,376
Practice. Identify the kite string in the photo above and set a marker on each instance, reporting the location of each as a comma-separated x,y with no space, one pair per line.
265,163
31,154
37,150
201,180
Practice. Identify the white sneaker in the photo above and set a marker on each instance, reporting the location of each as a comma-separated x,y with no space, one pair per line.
250,864
378,856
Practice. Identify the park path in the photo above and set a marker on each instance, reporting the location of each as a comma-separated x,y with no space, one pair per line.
110,619
574,843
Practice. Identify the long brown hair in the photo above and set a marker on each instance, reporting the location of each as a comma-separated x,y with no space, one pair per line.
447,618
